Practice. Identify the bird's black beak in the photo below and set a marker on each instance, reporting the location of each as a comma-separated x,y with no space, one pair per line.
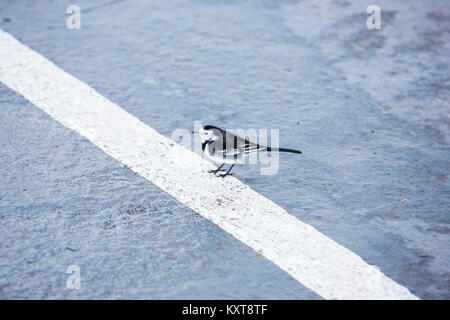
193,132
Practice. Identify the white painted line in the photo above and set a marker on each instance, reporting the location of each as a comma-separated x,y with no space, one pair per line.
316,261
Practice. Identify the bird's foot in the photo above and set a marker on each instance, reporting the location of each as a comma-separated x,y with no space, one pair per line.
215,171
225,174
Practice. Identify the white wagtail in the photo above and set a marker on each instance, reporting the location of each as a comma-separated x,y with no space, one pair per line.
227,148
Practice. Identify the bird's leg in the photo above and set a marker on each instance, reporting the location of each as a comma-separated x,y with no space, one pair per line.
228,172
217,170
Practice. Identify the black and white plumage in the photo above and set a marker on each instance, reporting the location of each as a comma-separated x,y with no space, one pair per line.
227,148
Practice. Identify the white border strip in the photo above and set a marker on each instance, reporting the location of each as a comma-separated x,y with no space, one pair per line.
313,259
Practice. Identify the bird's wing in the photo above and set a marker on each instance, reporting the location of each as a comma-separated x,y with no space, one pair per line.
223,148
229,152
249,149
243,146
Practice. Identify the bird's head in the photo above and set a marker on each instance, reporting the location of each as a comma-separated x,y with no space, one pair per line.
209,133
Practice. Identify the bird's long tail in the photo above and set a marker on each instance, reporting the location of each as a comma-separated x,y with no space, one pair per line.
269,149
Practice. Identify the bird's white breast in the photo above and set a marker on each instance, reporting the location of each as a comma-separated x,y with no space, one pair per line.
218,157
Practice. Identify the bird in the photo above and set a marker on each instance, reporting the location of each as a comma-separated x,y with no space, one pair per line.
225,147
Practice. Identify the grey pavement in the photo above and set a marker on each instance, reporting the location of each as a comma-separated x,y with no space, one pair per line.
368,108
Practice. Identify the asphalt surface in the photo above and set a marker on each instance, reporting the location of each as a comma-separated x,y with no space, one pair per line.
368,108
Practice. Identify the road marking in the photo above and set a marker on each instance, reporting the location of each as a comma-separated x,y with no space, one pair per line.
310,257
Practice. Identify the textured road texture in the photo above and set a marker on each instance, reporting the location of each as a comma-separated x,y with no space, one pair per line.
368,108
